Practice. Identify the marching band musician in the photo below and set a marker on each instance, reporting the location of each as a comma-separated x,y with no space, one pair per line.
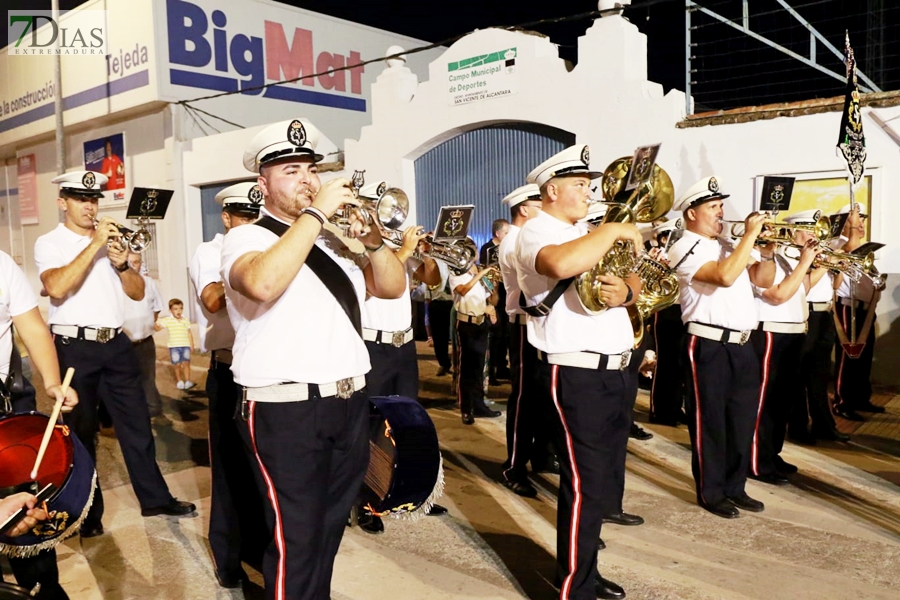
293,293
524,409
498,342
667,390
718,307
388,332
85,272
778,341
815,356
236,524
852,376
472,301
582,359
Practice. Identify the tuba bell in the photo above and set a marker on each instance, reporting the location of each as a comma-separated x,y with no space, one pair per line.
644,204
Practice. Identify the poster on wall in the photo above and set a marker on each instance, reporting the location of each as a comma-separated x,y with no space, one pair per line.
26,169
483,77
107,155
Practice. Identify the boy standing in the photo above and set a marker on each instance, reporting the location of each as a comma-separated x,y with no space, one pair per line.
181,342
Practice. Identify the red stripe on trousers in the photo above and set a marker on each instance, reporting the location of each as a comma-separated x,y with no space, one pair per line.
576,488
273,498
764,384
698,426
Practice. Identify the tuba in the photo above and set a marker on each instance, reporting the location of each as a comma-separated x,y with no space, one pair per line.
647,202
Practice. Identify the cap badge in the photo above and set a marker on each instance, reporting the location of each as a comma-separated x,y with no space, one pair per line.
713,185
586,156
89,180
381,188
255,195
296,134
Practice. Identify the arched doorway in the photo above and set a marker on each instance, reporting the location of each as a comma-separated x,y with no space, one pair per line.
480,167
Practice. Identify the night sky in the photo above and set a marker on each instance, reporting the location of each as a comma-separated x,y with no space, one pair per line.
732,69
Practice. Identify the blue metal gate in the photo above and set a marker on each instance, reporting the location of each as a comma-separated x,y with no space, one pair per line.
480,167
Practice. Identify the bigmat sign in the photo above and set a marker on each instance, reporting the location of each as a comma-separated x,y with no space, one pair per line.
239,47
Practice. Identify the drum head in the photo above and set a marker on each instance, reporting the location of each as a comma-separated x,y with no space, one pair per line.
20,440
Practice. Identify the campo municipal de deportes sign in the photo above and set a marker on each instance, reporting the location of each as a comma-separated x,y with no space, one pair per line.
222,51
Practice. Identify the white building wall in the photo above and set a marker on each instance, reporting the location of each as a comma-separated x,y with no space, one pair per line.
607,102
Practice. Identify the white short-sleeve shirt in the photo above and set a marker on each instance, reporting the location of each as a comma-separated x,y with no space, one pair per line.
474,302
303,335
16,298
731,307
100,300
216,332
139,317
388,314
568,327
794,310
507,258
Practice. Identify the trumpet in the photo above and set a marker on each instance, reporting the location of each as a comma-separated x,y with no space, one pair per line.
389,209
135,241
783,233
854,266
459,255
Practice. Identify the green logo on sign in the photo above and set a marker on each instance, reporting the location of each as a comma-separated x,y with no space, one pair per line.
507,55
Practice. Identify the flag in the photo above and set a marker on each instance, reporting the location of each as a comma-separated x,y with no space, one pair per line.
851,140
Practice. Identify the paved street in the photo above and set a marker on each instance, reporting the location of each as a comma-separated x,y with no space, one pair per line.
834,533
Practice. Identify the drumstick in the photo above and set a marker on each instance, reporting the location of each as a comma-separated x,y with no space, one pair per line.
54,415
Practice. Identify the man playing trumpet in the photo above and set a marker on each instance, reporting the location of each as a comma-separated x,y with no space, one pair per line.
717,305
293,294
86,274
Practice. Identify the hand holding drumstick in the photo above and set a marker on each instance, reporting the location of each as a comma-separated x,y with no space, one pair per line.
54,416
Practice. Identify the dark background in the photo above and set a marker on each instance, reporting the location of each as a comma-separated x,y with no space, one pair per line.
731,69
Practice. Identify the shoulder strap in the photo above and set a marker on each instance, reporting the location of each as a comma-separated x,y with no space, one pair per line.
543,309
332,275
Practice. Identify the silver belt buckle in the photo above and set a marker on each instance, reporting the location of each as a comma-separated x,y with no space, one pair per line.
397,338
104,334
745,335
344,388
625,360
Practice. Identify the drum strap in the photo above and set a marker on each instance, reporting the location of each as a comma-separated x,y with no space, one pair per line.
334,277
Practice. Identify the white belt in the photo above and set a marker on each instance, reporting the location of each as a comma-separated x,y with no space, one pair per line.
588,360
849,302
394,338
223,356
719,334
91,334
298,392
470,318
820,306
519,319
776,327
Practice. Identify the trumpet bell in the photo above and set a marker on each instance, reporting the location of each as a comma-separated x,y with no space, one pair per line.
392,208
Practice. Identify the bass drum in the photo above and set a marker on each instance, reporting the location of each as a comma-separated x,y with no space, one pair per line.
66,465
405,474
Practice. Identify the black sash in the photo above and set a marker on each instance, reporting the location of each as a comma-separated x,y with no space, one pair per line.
543,309
332,275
